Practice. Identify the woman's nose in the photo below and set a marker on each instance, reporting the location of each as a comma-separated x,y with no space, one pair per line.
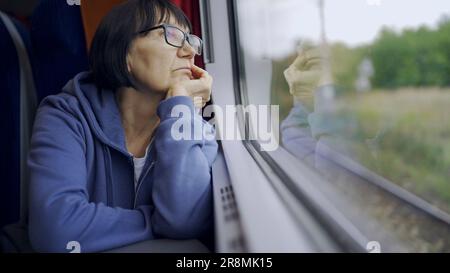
187,50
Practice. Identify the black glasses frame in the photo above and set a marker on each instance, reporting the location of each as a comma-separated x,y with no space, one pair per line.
186,36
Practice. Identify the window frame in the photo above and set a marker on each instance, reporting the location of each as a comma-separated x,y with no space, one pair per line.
258,219
299,179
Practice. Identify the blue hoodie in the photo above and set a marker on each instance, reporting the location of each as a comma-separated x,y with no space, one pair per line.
82,176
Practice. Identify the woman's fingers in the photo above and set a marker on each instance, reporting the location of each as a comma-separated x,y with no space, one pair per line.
204,93
302,83
202,85
198,102
197,72
199,87
201,74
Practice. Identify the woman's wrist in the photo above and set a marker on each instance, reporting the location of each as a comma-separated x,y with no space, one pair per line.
176,91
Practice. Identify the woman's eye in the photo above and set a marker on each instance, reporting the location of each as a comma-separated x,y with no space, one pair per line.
170,34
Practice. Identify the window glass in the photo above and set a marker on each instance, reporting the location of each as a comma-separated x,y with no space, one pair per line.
367,78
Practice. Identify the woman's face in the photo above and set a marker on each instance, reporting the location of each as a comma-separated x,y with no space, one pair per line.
156,65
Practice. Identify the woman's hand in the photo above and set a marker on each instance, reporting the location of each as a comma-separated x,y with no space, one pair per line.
306,74
198,88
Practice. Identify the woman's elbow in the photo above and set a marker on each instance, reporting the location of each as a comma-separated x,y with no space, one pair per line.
187,228
186,223
50,232
45,236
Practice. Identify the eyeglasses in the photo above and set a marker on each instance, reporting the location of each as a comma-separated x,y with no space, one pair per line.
176,37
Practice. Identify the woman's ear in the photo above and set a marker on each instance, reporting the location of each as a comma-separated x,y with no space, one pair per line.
128,59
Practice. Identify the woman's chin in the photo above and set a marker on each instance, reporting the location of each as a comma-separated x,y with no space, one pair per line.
183,77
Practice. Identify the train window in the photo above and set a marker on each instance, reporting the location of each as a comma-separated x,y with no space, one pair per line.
364,107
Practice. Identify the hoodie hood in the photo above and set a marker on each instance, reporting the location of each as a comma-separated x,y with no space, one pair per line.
100,106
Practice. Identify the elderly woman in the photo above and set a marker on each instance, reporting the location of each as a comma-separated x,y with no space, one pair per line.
105,168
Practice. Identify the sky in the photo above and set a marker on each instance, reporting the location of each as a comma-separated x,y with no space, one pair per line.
365,17
274,26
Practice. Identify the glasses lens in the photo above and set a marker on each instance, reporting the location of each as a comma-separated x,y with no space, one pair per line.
174,36
196,43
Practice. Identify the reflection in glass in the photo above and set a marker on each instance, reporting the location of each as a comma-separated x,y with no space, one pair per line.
370,83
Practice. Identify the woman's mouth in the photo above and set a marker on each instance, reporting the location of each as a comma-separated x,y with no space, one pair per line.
184,69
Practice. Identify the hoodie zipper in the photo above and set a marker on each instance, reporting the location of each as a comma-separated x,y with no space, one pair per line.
109,184
140,183
142,177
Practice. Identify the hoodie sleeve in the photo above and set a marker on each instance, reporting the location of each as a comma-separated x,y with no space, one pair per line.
182,190
59,210
296,133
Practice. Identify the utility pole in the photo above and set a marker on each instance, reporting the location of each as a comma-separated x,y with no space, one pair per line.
324,99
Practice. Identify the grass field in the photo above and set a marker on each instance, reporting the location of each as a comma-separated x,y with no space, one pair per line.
404,135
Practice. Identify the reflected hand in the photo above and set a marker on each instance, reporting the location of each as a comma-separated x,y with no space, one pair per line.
305,75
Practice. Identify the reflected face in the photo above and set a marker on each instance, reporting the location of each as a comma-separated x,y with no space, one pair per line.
156,65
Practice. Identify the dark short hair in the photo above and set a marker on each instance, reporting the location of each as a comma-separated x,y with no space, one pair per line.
117,30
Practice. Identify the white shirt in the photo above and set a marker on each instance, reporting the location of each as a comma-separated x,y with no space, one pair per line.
139,163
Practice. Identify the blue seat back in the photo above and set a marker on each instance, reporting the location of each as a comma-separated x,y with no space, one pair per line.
59,45
13,109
